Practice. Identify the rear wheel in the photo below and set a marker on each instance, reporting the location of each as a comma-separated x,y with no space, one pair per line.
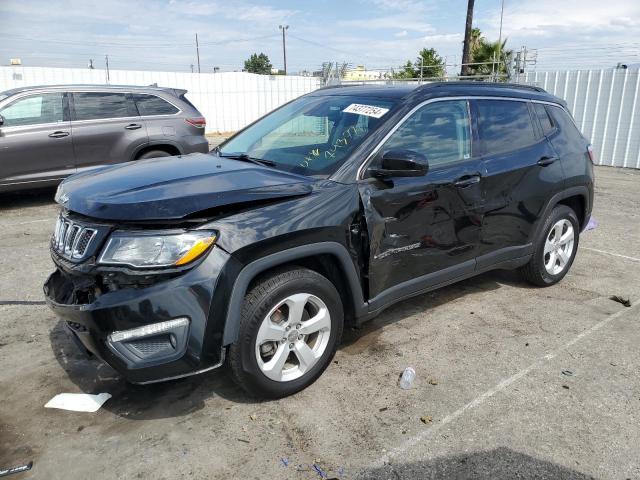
555,250
154,154
290,327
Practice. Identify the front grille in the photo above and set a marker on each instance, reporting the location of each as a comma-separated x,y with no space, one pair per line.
71,240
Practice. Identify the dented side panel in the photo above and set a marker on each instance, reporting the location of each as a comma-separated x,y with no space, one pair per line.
421,225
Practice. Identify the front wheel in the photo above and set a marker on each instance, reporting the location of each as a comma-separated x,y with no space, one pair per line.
555,250
290,326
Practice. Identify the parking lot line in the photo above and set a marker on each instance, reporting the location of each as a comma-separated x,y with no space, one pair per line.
611,253
422,436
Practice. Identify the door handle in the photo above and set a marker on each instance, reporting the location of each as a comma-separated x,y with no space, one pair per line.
467,180
59,134
546,160
133,126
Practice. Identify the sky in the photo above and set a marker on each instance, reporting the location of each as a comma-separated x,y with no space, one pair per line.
160,34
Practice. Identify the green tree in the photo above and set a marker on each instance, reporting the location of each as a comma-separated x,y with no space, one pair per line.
258,63
485,52
431,63
406,71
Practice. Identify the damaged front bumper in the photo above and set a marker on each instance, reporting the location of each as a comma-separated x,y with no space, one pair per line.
152,331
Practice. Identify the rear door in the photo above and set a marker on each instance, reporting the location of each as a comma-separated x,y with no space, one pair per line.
522,172
425,230
106,128
35,139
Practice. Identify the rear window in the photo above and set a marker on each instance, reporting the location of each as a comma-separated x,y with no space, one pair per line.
504,125
92,105
543,117
562,118
153,105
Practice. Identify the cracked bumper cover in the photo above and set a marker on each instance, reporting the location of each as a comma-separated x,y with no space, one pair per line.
162,331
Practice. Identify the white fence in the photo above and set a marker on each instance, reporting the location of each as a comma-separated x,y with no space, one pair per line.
604,103
229,101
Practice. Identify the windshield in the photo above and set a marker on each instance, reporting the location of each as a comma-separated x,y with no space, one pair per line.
311,135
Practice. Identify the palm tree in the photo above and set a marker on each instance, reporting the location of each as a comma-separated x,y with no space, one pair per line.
490,57
466,51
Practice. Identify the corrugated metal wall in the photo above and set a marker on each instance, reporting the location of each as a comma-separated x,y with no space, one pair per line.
604,103
605,106
229,100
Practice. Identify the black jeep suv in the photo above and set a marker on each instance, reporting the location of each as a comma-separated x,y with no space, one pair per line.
320,214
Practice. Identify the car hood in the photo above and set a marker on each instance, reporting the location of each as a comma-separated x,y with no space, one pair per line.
170,188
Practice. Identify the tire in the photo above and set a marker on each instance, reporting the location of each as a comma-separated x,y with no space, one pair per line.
552,260
268,309
154,154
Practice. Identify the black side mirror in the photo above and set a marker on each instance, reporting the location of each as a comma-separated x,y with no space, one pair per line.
401,163
1,120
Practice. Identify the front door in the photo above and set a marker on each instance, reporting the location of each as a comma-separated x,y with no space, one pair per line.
424,231
35,140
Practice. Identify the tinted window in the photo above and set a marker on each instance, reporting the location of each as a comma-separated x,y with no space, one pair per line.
440,131
543,116
566,124
34,110
91,105
504,125
152,105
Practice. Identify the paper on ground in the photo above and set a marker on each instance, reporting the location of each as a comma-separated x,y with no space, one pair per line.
78,402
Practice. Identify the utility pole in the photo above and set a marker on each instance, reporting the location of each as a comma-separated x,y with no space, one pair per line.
192,68
421,67
284,28
106,59
466,50
198,52
500,37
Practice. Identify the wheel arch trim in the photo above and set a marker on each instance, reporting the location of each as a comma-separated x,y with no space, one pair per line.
255,268
579,190
158,144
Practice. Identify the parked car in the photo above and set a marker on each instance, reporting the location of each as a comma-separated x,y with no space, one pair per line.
319,215
50,132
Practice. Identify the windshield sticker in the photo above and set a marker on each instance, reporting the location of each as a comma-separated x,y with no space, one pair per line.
367,110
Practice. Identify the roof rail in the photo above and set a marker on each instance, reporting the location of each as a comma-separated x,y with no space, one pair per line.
484,84
340,85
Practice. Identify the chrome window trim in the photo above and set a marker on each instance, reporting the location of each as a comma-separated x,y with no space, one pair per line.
6,102
162,115
125,92
365,164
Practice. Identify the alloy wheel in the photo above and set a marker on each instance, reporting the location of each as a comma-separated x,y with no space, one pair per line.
558,246
293,337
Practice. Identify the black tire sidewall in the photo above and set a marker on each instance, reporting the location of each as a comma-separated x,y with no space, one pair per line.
306,281
154,154
559,212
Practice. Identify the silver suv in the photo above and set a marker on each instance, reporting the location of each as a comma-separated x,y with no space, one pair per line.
48,133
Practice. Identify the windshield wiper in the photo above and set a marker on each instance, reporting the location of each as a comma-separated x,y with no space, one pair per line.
246,158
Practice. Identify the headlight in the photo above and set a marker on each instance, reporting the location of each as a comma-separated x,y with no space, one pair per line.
155,249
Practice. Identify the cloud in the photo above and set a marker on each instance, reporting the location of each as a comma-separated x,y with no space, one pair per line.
401,34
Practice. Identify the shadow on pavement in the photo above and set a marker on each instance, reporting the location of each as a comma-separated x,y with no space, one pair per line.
27,198
499,464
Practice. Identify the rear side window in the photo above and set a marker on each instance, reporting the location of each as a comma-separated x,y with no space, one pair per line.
34,110
92,105
566,123
441,131
504,125
543,116
152,105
